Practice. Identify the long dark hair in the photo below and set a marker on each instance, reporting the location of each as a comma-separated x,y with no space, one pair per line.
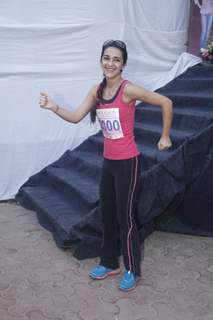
122,47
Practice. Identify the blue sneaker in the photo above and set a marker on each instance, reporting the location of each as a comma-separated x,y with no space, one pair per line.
100,272
129,281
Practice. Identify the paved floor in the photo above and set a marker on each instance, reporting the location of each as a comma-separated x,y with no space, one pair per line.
38,281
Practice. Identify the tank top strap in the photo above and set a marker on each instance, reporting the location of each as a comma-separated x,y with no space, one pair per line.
121,89
123,84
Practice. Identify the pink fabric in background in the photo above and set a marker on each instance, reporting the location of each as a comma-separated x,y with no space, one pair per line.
207,7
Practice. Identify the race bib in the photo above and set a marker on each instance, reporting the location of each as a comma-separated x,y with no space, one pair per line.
110,123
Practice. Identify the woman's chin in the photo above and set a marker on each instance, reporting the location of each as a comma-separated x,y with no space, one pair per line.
111,76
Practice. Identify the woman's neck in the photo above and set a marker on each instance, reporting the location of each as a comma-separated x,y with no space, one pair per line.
112,87
114,83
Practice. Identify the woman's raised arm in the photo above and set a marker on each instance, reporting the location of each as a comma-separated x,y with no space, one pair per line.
46,102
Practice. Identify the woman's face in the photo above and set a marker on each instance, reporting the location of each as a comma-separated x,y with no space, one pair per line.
112,62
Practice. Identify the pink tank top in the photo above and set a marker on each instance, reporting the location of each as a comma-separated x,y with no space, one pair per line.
117,123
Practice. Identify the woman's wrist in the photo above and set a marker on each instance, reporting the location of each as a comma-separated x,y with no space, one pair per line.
165,135
55,110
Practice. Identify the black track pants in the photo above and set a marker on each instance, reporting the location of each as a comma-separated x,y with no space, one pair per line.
118,194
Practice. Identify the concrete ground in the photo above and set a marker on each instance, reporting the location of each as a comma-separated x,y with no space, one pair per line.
39,281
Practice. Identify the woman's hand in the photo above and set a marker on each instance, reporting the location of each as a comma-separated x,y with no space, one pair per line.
164,143
197,2
47,103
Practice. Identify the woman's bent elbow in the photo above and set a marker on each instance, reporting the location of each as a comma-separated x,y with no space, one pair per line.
169,102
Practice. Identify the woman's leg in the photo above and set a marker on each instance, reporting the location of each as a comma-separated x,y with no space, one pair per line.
127,190
209,26
110,250
206,24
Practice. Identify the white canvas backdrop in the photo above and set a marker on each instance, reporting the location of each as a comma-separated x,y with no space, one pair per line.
54,46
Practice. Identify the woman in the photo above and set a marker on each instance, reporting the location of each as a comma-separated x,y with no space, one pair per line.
206,11
113,102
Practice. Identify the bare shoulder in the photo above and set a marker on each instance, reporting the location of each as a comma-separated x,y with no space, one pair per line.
131,88
133,92
93,91
91,97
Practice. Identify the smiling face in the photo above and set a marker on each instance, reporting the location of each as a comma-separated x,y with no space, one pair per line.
112,62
